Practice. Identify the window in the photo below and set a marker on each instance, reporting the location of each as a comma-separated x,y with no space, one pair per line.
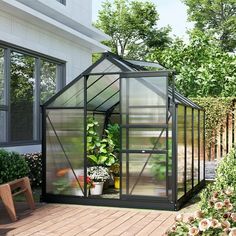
62,1
26,82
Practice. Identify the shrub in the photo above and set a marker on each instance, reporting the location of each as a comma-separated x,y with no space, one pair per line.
34,161
12,166
218,205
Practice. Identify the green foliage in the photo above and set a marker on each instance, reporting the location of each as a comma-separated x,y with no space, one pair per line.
12,166
34,161
132,27
99,151
216,110
218,205
203,69
114,131
217,17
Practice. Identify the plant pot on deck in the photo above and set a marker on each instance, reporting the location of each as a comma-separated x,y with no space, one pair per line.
97,189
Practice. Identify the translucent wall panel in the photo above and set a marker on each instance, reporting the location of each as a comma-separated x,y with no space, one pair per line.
189,148
3,128
2,79
105,66
150,139
101,90
202,145
22,89
100,118
180,150
71,97
146,174
65,151
196,148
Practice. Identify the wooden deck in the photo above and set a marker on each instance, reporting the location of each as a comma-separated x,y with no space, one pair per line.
69,220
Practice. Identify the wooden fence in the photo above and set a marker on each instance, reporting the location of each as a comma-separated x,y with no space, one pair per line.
225,138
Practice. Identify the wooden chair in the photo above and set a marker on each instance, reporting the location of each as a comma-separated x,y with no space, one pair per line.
23,186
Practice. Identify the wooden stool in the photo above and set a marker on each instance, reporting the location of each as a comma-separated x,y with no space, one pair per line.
6,194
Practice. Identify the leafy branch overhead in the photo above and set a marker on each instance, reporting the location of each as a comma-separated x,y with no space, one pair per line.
132,27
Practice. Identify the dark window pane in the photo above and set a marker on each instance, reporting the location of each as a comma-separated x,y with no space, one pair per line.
189,149
22,85
47,80
195,147
2,84
3,126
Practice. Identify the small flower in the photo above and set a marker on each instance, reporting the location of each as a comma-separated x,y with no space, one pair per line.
62,172
198,214
193,231
229,191
215,196
226,215
190,219
218,205
179,218
225,224
230,207
226,202
204,224
233,217
232,232
215,224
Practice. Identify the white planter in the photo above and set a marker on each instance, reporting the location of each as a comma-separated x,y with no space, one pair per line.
78,192
97,189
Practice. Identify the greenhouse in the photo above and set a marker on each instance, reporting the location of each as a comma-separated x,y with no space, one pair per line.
121,135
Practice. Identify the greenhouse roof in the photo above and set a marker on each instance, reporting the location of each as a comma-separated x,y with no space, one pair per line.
103,84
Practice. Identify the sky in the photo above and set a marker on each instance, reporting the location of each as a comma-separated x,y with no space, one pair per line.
171,12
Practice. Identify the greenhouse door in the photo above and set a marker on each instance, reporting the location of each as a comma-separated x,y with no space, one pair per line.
144,130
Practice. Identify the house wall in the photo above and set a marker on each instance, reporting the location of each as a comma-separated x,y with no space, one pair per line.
62,32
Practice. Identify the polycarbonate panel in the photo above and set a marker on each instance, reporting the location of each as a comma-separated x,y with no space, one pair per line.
144,139
195,174
100,118
143,91
104,67
65,148
189,148
146,174
71,97
114,99
101,90
202,145
180,151
2,79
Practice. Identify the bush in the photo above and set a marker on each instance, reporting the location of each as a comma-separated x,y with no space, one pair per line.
34,161
12,166
218,205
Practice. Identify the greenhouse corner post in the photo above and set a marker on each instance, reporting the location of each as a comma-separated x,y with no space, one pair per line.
199,149
174,145
43,154
120,151
85,135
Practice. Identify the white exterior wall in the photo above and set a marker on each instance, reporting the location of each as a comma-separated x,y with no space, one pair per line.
53,29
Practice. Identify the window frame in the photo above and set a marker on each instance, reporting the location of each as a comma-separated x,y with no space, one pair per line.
37,115
62,1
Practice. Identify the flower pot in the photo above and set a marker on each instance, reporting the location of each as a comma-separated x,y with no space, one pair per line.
117,182
78,192
97,189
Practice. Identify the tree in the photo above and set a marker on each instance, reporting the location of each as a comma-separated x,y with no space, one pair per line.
203,68
132,27
217,17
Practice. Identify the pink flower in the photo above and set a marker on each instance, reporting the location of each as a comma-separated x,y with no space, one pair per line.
226,202
215,224
179,218
193,231
229,207
218,205
232,232
198,214
229,191
225,224
190,219
204,224
233,217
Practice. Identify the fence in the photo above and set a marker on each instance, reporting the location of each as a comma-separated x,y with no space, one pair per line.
225,138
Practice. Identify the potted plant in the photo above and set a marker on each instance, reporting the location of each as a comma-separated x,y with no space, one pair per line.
115,170
78,184
98,174
99,151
